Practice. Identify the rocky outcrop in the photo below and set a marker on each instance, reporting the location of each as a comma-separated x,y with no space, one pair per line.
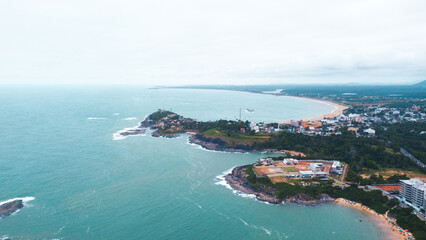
217,144
135,131
158,133
238,181
6,209
304,199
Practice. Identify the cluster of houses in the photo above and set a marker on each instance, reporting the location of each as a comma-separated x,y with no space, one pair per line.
172,121
360,121
263,128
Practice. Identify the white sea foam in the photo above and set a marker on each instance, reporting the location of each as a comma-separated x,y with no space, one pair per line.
117,136
220,179
60,230
116,114
267,231
245,195
245,223
223,215
130,118
202,148
96,118
24,200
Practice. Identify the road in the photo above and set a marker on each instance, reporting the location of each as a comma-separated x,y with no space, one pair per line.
417,161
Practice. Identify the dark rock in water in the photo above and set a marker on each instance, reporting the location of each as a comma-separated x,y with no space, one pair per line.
133,132
8,208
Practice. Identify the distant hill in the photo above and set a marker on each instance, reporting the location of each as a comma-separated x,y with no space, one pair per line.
410,91
421,84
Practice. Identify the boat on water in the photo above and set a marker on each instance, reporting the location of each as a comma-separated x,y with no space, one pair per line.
249,110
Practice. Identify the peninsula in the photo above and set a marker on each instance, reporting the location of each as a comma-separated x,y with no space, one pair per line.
367,142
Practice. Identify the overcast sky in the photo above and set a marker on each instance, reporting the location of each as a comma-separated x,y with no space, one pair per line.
212,42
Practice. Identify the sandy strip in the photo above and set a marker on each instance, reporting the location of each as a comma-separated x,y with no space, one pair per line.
391,231
335,113
190,132
339,108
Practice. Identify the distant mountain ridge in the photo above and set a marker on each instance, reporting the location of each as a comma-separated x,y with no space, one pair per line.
409,90
422,83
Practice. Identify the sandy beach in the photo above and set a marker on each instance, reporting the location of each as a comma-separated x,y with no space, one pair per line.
335,113
387,224
339,108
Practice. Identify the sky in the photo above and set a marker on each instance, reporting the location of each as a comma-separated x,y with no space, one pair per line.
212,42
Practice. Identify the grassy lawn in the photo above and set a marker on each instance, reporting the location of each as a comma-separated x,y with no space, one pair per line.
290,169
235,139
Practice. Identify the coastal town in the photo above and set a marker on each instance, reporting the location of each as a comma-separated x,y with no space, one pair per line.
360,121
303,179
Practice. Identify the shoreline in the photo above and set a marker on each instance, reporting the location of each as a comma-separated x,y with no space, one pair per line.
237,180
382,221
335,113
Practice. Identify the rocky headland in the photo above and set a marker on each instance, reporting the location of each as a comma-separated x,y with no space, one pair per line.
238,181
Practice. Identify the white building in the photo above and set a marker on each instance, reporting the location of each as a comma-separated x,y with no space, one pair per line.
370,131
316,167
336,168
413,193
289,161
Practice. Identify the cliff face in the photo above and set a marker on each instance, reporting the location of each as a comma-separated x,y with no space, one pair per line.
218,144
8,208
238,181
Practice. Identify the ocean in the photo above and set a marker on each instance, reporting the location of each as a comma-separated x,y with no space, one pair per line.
58,145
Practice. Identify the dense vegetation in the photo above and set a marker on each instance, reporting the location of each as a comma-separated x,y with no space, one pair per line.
230,127
409,221
374,179
359,153
159,115
406,135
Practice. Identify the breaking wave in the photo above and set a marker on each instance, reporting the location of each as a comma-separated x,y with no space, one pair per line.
117,136
24,200
95,118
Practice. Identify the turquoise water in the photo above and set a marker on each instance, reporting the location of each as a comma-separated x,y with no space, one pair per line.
57,145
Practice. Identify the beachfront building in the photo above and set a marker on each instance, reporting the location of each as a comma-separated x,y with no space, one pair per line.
413,193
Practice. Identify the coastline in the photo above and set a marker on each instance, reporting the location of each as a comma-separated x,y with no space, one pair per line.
237,180
382,221
335,113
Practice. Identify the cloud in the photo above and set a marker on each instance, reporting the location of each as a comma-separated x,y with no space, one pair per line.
200,42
